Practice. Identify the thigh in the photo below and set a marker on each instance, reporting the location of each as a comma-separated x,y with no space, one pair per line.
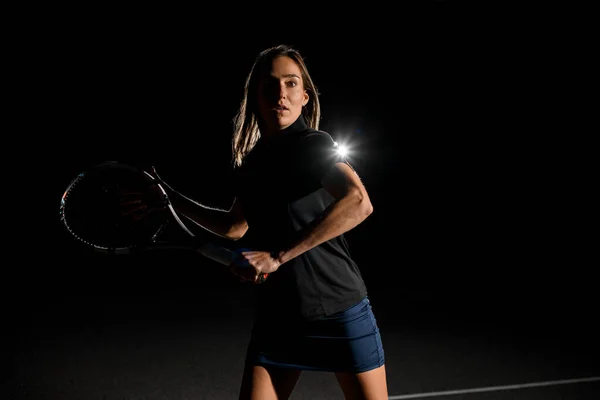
368,385
267,382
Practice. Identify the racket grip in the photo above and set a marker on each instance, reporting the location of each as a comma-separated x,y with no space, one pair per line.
263,277
226,257
238,255
219,254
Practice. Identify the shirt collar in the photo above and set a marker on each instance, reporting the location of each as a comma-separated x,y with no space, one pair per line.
297,126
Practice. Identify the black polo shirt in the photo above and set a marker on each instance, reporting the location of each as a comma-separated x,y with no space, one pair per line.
279,188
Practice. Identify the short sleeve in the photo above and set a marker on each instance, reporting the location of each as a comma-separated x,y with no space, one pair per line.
321,154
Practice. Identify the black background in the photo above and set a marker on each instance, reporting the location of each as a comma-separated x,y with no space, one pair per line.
478,189
464,129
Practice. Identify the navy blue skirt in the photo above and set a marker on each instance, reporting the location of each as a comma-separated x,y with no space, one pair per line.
348,341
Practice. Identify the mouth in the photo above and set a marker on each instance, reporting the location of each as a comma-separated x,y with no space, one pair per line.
280,108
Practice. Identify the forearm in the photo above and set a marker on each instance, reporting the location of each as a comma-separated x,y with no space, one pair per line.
215,220
341,216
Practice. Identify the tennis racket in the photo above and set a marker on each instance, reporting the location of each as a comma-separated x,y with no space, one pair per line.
92,211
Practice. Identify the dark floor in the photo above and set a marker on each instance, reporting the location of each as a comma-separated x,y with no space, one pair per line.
123,332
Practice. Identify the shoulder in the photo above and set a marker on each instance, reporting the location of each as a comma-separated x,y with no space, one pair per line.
316,135
312,138
320,147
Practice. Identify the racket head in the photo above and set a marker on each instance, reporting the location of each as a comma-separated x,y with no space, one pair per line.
91,210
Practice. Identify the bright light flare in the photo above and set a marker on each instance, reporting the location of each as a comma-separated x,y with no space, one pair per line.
342,149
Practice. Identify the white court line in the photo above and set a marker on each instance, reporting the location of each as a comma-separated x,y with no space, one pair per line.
493,388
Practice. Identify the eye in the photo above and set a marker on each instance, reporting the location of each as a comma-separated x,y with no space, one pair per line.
292,83
270,83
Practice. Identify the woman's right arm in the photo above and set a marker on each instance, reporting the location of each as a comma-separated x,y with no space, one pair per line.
229,224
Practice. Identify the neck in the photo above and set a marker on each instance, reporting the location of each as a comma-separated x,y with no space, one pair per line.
268,133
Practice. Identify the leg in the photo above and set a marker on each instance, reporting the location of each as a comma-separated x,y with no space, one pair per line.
268,383
368,385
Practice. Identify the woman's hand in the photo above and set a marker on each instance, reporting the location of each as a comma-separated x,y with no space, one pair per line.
254,266
139,204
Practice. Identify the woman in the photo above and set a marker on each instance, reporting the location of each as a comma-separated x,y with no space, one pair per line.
295,197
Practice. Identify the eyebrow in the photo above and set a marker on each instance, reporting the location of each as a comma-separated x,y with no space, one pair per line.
288,76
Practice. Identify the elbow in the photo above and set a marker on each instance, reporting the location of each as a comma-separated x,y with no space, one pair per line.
235,237
236,232
364,205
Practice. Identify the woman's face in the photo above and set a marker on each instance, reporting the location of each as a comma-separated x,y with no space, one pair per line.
281,94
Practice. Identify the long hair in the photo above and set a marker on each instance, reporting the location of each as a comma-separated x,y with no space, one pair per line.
246,132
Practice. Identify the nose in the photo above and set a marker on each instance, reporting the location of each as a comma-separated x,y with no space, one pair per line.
282,93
